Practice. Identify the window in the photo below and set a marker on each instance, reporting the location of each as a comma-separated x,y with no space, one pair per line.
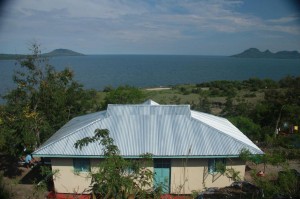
81,165
216,165
129,170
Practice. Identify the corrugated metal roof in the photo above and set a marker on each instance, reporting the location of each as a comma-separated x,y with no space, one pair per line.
163,130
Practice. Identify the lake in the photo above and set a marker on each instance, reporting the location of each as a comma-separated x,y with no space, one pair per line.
98,71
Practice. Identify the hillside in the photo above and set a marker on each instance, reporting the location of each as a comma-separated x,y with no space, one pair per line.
62,52
54,53
255,53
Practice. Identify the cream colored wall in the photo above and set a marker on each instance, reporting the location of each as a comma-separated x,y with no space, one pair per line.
66,181
222,180
185,179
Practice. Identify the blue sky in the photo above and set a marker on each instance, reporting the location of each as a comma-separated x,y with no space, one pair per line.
196,27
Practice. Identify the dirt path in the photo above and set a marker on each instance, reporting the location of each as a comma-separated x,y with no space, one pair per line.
158,89
270,170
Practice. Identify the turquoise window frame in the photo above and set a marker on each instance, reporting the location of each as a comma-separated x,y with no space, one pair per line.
81,165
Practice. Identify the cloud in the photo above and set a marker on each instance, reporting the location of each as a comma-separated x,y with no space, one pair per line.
286,19
110,23
83,9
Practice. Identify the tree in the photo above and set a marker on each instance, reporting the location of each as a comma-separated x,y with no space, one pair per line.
203,105
287,183
228,106
247,126
117,177
42,101
123,95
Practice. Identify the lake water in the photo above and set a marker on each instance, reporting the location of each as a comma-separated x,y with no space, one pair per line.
98,71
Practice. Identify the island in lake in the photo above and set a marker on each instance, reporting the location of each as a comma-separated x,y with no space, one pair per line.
62,52
54,53
255,53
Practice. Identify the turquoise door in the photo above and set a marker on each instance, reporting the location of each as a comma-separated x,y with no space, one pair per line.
162,174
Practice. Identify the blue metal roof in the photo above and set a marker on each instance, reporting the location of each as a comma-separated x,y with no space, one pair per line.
163,130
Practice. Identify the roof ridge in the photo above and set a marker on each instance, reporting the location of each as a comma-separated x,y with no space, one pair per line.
150,102
71,133
148,105
114,109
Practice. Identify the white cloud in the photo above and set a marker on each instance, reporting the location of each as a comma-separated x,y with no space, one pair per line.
85,9
217,15
123,23
286,19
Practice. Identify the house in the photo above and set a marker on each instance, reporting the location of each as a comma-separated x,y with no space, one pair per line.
186,145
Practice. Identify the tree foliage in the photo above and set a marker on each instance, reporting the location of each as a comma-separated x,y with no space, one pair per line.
123,95
247,126
287,183
41,102
117,177
203,105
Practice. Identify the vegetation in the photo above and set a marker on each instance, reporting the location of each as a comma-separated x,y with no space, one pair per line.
117,177
255,106
43,100
123,95
229,172
287,183
4,190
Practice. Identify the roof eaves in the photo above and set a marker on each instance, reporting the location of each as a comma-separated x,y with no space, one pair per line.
254,149
71,133
134,157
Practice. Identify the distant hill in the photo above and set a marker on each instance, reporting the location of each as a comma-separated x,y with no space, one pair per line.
62,52
255,53
11,56
54,53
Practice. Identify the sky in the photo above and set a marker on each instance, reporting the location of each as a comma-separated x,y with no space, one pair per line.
186,27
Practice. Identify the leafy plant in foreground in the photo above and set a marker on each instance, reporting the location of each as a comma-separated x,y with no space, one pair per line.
117,177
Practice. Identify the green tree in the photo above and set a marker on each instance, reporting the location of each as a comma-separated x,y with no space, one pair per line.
287,183
117,177
247,126
123,95
42,101
203,105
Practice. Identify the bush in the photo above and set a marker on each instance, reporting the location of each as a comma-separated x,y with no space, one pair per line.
250,95
4,192
293,154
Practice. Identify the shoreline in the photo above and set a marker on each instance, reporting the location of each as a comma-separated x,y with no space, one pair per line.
158,88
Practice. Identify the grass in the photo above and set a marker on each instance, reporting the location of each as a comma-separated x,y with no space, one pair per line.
192,94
